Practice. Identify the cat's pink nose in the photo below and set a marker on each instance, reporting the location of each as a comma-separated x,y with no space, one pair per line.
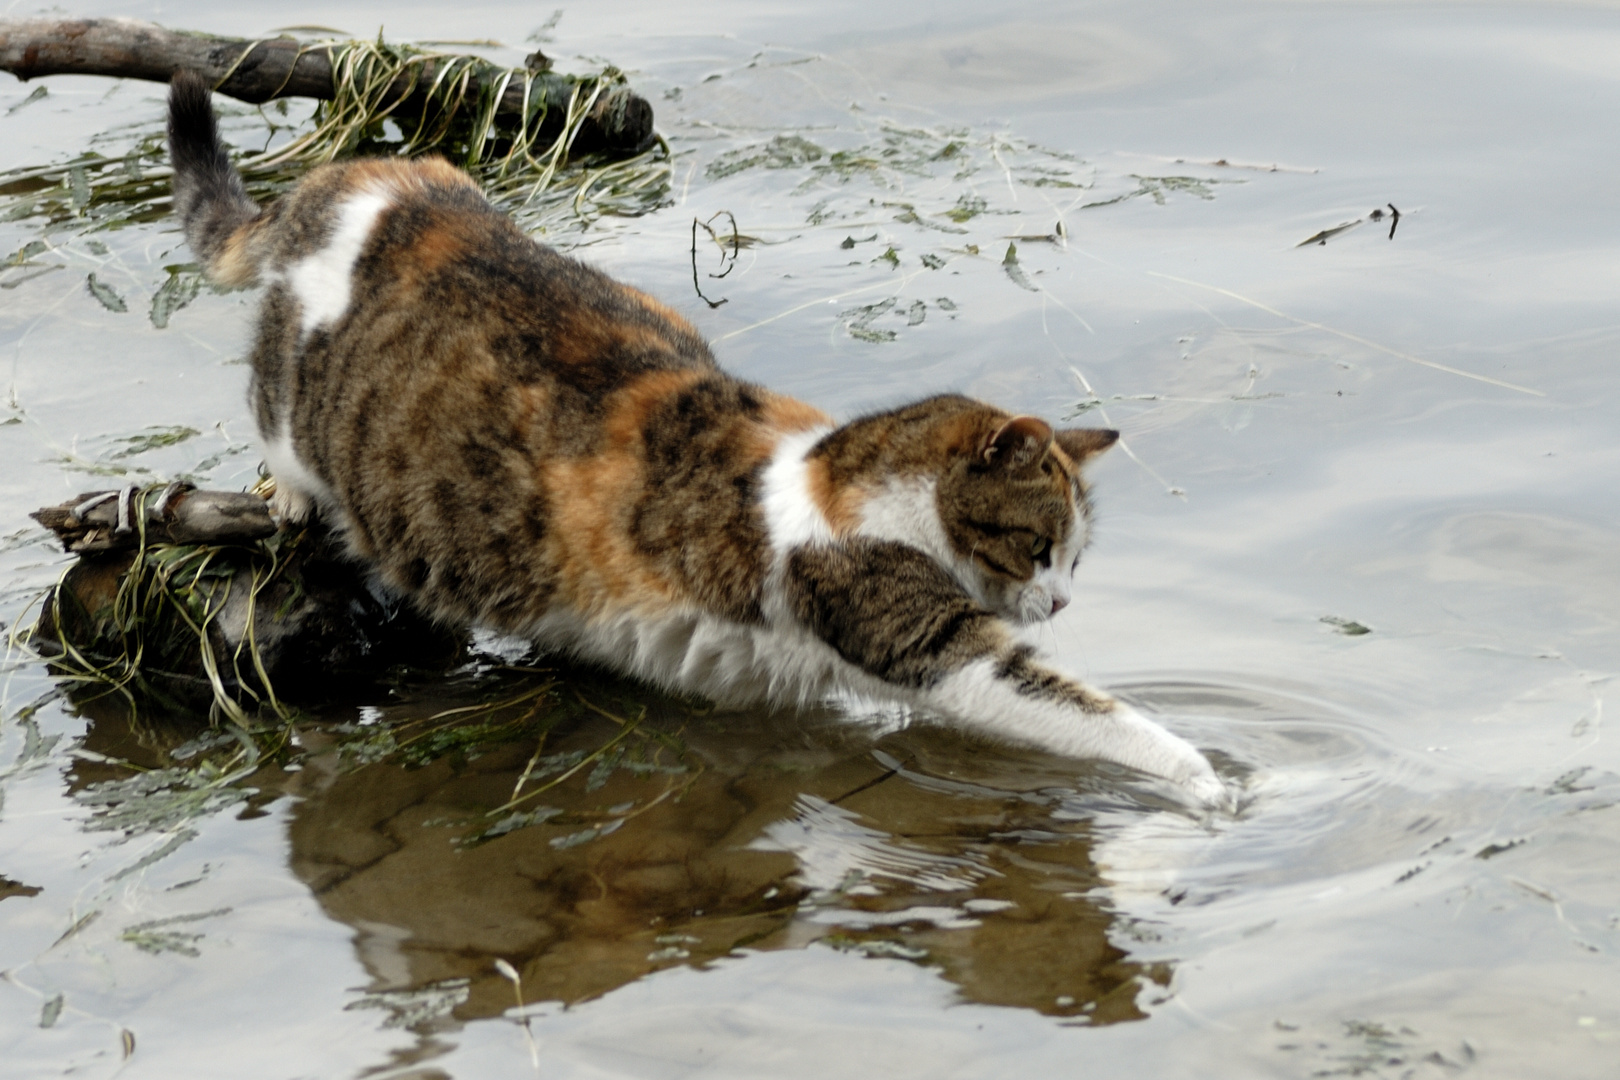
1058,604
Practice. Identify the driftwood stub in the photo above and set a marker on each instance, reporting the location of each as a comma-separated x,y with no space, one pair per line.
102,521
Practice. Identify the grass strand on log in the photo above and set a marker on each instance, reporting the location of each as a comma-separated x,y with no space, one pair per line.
161,610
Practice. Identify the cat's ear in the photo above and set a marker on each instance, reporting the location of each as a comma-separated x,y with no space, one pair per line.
1019,443
1083,443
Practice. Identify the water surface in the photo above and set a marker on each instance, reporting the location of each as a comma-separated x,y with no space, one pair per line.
1408,434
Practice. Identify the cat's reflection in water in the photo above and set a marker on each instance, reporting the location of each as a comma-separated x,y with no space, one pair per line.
776,837
762,832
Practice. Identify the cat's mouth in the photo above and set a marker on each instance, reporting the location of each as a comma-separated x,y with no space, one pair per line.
1035,604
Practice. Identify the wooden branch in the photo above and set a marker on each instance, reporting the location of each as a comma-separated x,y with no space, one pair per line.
101,521
255,72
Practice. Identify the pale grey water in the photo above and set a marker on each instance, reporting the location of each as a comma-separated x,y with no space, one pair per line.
1426,882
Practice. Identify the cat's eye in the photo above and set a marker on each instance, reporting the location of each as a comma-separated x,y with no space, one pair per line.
1041,551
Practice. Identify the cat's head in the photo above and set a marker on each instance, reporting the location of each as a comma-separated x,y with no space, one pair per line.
1016,513
999,500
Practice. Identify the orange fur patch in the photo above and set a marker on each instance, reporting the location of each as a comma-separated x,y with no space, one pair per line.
420,173
1064,462
234,265
841,505
588,337
435,247
642,339
786,415
581,339
599,568
436,170
962,434
636,400
661,310
371,172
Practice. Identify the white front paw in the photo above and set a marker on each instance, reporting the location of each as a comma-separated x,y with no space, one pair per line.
1210,791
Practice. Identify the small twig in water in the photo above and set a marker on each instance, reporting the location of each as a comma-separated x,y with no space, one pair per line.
1325,235
1347,336
512,976
1085,385
1394,217
728,258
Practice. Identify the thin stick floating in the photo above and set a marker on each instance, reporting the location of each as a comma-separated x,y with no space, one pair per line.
1359,340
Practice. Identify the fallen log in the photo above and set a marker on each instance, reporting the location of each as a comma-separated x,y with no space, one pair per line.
182,597
256,71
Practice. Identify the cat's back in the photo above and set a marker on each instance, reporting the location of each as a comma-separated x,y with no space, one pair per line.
417,242
502,428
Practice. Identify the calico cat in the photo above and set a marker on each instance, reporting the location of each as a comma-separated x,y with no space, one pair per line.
511,438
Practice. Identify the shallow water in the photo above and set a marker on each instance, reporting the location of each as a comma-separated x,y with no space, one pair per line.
1413,435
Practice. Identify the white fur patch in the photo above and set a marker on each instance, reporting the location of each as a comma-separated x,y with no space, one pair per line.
977,698
297,486
695,653
792,518
1051,586
905,510
323,282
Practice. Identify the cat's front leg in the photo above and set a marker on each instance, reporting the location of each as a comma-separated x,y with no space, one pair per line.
892,611
1010,695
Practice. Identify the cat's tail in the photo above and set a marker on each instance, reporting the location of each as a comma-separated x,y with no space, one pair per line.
215,211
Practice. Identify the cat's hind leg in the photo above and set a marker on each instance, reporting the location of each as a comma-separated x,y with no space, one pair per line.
288,505
276,356
297,490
